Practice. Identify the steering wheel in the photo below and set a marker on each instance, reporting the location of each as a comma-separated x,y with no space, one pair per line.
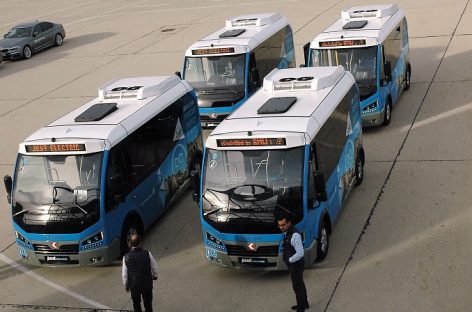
266,192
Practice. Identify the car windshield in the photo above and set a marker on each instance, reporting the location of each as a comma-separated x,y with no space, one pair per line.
223,76
19,32
361,62
57,193
242,190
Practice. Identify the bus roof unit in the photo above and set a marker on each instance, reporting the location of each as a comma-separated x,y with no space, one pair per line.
361,25
121,105
300,99
240,34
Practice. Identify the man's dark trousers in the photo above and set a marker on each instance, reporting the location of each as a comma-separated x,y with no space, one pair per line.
147,299
296,274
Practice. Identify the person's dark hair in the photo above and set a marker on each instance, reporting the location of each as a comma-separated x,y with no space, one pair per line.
135,240
280,216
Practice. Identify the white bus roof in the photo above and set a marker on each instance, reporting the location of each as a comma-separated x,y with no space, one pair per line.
243,33
370,22
118,113
300,100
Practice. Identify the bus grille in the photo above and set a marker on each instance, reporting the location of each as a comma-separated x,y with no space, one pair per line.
63,249
262,251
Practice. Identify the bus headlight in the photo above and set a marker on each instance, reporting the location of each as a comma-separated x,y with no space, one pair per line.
214,242
93,241
370,108
22,238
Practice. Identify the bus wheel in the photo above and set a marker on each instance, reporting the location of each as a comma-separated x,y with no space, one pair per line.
323,241
407,77
387,113
359,171
131,227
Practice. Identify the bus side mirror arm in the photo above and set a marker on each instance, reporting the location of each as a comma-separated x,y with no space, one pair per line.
320,186
256,79
178,74
8,187
195,178
306,52
388,71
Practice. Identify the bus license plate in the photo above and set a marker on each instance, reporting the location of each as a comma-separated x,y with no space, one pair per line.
253,260
57,258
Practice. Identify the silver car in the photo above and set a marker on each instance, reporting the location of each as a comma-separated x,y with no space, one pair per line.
25,39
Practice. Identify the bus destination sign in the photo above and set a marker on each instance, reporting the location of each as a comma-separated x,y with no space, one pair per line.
250,142
54,148
212,51
342,43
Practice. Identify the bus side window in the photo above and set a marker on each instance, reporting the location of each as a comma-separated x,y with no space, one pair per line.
331,138
404,26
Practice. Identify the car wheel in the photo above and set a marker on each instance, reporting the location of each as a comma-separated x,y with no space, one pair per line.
408,77
27,52
359,171
59,40
323,241
387,113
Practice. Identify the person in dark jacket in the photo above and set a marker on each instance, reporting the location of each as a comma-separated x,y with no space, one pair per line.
293,253
138,272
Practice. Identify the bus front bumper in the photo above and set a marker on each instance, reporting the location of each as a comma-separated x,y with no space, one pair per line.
42,255
372,119
236,257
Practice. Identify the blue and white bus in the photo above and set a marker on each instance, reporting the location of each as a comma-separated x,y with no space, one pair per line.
226,67
85,182
295,147
372,43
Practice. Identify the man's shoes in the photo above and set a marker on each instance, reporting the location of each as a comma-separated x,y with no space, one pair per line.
295,307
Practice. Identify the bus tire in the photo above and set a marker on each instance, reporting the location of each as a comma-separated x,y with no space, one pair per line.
359,170
130,227
323,241
407,77
387,113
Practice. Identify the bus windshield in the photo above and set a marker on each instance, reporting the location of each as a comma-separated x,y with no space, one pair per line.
361,62
217,80
242,190
57,193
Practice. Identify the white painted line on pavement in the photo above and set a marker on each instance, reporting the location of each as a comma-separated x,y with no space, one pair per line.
438,117
47,282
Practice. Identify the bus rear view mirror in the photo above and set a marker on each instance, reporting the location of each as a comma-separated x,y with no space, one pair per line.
256,79
306,52
8,186
388,71
178,74
320,186
195,178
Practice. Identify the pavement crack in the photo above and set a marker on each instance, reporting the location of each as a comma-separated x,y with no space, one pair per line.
4,249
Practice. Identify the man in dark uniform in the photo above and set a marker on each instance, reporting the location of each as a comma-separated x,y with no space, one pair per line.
138,272
293,256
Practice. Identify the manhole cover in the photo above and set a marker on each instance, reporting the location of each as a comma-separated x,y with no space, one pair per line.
167,30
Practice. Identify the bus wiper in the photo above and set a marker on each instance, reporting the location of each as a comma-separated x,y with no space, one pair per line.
228,89
212,211
365,85
20,212
81,209
212,191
